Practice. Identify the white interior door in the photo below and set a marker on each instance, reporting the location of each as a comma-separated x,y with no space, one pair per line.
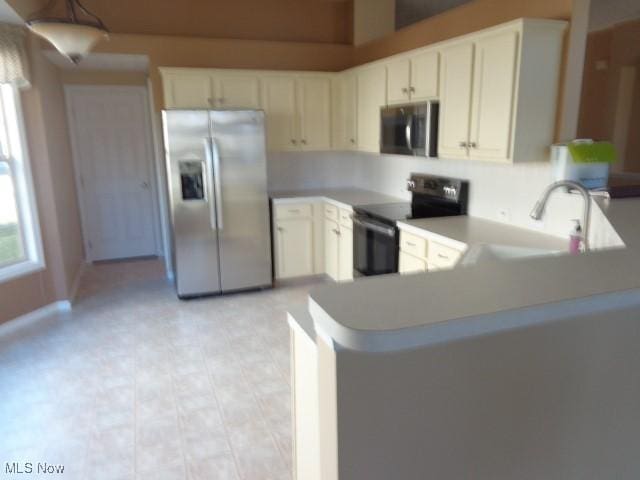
110,136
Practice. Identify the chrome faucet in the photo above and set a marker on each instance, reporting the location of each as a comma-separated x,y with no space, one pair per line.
538,210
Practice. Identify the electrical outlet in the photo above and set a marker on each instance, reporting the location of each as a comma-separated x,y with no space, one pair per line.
504,215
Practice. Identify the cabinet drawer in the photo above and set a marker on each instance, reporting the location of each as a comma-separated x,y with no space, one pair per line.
331,212
442,257
413,244
346,218
293,210
410,264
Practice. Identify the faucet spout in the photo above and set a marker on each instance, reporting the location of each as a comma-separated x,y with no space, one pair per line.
539,208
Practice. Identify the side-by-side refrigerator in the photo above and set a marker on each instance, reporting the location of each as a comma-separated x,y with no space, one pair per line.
217,174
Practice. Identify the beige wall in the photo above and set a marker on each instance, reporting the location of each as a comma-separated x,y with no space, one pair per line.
467,18
224,53
321,21
373,19
49,150
102,77
617,47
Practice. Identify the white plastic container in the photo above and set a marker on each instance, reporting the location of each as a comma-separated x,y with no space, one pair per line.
591,175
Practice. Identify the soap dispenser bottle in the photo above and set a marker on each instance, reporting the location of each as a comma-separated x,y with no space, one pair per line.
576,238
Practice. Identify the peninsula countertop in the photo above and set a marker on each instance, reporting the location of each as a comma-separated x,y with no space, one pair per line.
395,312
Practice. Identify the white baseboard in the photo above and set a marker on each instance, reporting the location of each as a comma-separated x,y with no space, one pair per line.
35,316
76,282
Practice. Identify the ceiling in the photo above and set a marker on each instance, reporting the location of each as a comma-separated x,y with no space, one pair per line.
412,11
606,13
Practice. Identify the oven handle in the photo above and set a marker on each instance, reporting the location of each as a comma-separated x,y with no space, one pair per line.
387,231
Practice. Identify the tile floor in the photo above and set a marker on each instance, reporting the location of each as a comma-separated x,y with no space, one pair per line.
134,383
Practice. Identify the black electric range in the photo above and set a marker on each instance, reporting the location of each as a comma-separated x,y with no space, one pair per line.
376,236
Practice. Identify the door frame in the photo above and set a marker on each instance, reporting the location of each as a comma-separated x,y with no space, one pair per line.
69,91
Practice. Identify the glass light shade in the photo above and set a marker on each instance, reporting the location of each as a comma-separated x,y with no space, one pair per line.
73,40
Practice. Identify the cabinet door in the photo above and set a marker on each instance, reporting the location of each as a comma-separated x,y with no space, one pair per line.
424,76
372,93
456,69
314,101
188,90
398,73
331,248
279,103
345,102
237,91
345,255
494,96
411,264
294,248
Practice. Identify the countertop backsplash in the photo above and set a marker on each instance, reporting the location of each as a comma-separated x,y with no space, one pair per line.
504,193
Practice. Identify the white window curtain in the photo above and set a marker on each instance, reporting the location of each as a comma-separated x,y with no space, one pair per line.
14,63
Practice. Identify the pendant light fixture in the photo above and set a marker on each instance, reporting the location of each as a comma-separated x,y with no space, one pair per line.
73,35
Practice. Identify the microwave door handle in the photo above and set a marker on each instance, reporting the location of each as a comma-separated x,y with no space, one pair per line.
407,131
211,195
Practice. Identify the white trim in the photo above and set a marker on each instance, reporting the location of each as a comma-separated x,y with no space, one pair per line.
20,269
161,181
76,282
29,220
35,316
68,91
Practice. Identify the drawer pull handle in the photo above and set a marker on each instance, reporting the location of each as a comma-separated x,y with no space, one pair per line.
337,232
441,255
280,229
411,244
294,211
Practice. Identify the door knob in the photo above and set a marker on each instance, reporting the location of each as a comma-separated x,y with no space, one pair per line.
473,145
144,185
463,145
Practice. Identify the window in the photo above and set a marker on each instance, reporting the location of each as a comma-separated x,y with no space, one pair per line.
20,243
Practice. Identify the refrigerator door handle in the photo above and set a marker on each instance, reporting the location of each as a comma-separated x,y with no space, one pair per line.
217,178
208,151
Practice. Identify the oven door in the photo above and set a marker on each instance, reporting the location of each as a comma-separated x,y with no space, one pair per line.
375,247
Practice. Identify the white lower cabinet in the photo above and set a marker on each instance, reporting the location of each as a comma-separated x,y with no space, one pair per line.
419,254
411,264
293,240
331,248
312,238
345,254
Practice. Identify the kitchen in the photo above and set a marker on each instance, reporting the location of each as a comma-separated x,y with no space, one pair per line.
425,160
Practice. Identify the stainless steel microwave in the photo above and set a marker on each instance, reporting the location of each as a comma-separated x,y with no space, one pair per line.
410,129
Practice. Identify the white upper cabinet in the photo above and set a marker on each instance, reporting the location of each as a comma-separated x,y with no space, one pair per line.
498,93
493,96
424,76
398,81
372,94
413,78
345,106
456,70
314,107
188,89
279,103
237,91
497,90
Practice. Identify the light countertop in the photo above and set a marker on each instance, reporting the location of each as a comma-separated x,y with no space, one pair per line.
351,197
395,312
462,231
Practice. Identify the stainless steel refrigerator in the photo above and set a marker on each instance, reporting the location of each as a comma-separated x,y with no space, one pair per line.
217,174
